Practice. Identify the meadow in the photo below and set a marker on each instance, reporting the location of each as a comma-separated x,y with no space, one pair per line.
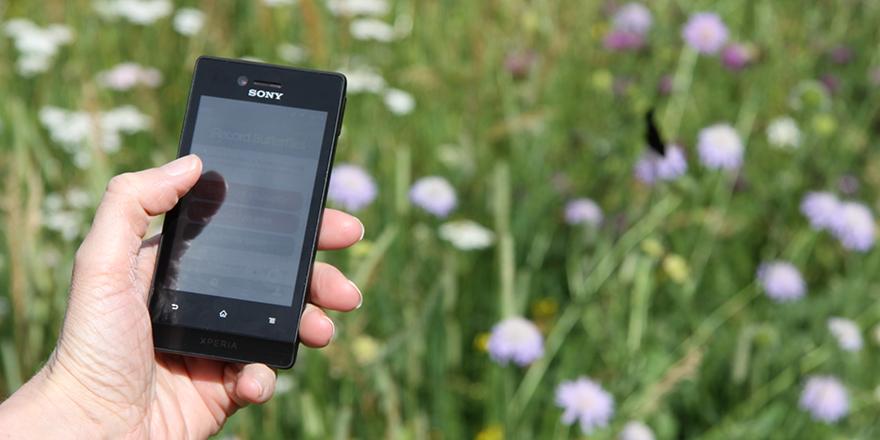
726,290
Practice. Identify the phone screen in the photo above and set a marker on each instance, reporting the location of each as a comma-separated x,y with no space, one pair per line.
240,230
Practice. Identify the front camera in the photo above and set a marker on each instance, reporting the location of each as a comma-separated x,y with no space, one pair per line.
242,80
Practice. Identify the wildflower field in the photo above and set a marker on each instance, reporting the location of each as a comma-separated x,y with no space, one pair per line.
531,268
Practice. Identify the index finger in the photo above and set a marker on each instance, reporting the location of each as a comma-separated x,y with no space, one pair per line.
339,230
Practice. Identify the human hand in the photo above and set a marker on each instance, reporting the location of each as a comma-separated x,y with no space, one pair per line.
104,379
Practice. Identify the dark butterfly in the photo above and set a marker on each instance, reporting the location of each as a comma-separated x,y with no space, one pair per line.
652,134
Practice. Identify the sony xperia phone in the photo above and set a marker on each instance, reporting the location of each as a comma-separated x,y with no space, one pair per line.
236,253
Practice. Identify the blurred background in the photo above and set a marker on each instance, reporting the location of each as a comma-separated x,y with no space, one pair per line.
531,268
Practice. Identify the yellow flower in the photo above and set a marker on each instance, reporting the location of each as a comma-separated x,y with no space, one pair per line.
599,30
492,432
481,342
676,268
602,80
653,248
544,309
362,248
365,349
824,124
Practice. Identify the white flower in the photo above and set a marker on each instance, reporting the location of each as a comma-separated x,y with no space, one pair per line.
371,29
128,75
364,79
189,21
283,384
142,12
783,132
78,198
66,127
720,147
66,222
466,235
126,119
291,53
274,3
36,46
847,333
636,431
75,130
51,257
399,102
358,7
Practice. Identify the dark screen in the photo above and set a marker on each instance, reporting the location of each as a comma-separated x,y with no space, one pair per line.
240,230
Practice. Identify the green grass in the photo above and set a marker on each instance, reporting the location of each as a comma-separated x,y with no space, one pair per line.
706,355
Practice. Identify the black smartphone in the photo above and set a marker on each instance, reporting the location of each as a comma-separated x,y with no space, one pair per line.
236,253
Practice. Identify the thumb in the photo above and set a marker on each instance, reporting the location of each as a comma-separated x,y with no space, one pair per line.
124,214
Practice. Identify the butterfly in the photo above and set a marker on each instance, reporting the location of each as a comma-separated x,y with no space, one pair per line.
652,134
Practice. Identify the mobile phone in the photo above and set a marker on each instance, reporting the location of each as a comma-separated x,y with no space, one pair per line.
236,253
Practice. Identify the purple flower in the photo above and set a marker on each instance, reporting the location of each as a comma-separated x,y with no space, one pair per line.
585,401
841,55
705,32
351,187
781,281
435,195
820,208
633,18
853,225
736,56
653,167
515,339
621,41
848,184
583,211
720,147
520,63
831,83
664,86
825,398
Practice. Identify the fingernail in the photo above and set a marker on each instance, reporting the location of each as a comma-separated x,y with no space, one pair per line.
333,326
360,295
260,389
180,166
363,229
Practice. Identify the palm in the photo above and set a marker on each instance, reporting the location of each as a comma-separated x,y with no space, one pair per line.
105,349
203,387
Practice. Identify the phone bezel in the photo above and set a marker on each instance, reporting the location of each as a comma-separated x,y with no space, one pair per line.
303,88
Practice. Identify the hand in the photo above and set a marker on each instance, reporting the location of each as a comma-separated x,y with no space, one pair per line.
104,378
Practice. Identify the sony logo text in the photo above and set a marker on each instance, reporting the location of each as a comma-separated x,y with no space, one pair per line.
265,94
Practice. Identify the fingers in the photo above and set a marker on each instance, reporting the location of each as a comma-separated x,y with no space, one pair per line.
339,230
332,290
123,216
255,383
315,328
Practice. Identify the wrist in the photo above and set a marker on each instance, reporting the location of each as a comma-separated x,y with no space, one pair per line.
47,406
